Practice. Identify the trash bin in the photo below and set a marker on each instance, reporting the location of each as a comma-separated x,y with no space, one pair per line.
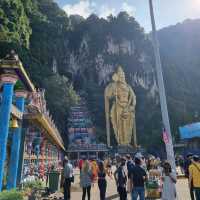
54,179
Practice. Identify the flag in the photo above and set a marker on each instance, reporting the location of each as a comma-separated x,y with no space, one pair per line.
165,136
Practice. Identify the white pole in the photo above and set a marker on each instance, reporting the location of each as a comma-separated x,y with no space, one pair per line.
163,103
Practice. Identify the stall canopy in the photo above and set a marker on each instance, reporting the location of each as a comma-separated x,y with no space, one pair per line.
190,131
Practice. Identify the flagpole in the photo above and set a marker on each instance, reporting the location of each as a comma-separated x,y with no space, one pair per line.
162,95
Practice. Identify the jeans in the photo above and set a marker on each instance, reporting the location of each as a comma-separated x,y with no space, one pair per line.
122,193
138,191
102,188
67,188
197,193
192,192
88,192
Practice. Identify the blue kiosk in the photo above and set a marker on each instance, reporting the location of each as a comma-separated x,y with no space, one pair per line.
190,135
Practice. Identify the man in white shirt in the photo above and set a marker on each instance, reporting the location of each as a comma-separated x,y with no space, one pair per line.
68,176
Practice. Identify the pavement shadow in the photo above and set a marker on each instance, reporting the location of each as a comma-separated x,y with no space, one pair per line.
112,197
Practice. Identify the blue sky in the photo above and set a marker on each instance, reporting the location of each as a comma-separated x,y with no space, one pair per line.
167,12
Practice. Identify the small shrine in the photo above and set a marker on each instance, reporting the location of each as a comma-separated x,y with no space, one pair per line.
82,134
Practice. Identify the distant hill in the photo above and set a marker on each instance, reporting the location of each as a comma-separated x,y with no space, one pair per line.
180,47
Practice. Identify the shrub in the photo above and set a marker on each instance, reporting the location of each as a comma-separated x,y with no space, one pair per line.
33,185
11,195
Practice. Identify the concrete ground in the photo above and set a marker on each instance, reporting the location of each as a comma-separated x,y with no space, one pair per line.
182,190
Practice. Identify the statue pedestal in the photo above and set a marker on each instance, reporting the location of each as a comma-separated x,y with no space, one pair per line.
125,149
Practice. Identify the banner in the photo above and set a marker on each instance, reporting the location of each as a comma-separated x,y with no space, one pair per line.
165,137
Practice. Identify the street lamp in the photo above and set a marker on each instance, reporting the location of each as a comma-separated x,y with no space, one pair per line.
163,103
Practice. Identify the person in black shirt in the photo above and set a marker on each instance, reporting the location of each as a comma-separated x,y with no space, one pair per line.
137,178
102,181
121,180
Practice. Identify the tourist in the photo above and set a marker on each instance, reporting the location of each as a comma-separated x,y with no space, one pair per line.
194,176
143,163
118,160
129,164
102,184
137,178
150,162
86,179
68,178
80,163
108,167
94,168
181,163
121,180
169,180
187,163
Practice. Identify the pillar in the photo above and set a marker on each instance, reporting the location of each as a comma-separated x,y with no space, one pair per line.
21,156
16,142
8,81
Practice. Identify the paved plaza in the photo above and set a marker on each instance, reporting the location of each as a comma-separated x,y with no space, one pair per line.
182,189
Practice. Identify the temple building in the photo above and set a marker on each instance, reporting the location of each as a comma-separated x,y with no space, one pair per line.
30,141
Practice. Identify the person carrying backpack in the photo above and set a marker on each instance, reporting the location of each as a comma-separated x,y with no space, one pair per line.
194,176
121,180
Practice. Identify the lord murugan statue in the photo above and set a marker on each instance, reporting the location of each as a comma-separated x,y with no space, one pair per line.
122,111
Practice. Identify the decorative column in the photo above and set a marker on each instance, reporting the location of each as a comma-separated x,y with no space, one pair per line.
42,163
49,157
16,142
21,155
8,81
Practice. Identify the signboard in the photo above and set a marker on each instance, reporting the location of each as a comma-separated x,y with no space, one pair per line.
190,131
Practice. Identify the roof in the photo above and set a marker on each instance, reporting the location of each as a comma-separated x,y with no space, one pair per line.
51,132
11,64
190,131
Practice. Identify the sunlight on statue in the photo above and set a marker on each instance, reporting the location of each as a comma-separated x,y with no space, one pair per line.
122,111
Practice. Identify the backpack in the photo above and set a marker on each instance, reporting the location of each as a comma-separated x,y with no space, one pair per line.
122,179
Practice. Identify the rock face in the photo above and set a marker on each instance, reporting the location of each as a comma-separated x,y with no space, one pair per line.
123,47
86,52
103,66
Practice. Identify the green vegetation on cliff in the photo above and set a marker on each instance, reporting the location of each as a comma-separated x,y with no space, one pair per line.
85,52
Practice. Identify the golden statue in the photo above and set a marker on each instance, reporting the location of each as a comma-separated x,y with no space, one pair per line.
122,113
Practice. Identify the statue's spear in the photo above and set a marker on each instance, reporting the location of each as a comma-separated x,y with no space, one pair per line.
107,112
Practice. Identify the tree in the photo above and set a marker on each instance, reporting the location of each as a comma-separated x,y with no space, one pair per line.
60,97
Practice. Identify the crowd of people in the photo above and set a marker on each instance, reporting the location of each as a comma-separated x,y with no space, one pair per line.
141,177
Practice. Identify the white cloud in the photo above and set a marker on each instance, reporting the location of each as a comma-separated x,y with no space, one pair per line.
83,8
105,11
128,8
87,7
